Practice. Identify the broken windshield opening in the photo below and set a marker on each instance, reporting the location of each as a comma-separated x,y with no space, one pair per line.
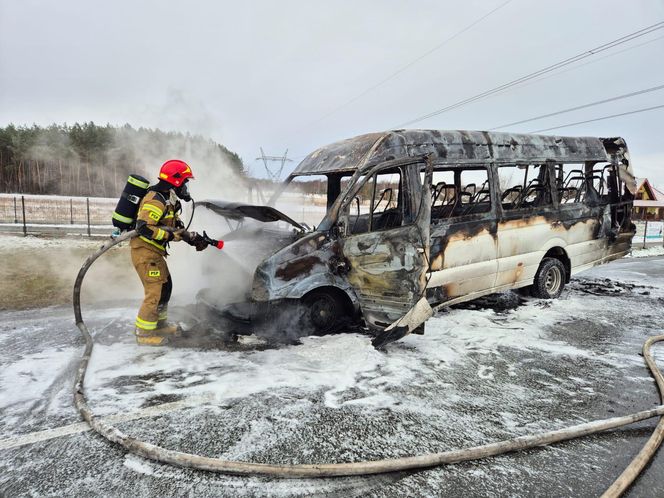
304,199
307,198
378,204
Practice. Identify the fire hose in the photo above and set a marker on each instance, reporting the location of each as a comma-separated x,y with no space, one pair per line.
182,459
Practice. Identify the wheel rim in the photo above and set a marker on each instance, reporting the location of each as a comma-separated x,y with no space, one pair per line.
323,312
554,279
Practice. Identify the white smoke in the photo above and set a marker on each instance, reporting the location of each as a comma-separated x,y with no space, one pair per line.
227,272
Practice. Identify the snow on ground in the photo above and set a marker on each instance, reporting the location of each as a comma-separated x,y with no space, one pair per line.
18,242
339,364
29,378
646,253
333,363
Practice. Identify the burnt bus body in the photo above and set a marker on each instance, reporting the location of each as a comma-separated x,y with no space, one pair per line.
449,216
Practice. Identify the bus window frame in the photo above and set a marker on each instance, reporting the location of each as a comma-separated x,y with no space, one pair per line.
457,169
529,210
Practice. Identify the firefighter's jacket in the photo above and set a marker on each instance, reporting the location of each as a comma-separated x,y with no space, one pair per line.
155,212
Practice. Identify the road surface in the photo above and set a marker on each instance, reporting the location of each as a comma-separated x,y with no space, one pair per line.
486,371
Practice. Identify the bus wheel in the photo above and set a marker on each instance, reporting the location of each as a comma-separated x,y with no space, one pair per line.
549,279
324,312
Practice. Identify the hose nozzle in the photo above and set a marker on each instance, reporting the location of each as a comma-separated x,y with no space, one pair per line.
219,244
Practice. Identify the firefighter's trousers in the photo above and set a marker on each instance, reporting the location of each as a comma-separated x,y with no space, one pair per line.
157,284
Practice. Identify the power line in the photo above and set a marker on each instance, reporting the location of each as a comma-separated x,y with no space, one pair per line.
588,63
409,65
545,70
600,119
584,106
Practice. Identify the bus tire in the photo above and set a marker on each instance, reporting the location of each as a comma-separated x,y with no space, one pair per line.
549,279
324,312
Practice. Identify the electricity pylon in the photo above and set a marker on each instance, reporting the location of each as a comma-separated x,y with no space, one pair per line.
273,173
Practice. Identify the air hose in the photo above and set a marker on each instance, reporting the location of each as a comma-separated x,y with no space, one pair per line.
164,455
193,211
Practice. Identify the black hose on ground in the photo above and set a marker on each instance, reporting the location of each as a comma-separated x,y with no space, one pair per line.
164,455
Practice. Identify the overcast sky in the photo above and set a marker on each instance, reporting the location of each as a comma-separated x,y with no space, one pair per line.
278,74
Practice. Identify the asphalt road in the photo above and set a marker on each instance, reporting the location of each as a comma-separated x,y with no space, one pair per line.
487,371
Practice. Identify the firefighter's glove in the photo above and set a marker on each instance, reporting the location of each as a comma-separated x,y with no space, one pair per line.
199,243
194,239
188,237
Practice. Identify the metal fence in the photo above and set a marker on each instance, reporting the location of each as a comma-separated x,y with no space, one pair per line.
648,234
36,214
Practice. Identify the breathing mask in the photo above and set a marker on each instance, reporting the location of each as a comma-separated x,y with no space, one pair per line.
183,192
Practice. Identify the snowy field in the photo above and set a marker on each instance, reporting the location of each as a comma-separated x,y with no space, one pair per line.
489,370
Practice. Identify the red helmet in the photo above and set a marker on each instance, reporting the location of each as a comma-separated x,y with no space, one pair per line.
175,172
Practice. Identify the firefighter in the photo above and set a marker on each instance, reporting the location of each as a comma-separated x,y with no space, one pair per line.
157,224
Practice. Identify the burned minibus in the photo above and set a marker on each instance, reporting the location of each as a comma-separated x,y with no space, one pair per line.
412,220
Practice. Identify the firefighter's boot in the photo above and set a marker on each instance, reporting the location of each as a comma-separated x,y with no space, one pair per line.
149,338
165,329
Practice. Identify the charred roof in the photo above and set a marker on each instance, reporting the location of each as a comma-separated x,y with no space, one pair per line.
455,146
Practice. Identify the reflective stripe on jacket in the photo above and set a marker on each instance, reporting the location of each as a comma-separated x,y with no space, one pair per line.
154,214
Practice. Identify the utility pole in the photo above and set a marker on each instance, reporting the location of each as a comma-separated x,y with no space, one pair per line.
274,173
